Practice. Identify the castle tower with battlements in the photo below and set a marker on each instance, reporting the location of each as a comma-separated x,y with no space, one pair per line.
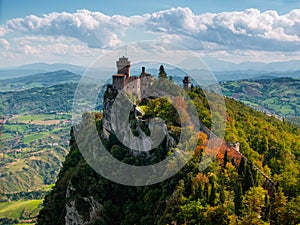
136,85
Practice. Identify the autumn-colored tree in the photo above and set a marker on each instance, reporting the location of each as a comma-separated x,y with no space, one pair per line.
253,204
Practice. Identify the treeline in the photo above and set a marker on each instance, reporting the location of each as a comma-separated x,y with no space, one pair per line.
23,196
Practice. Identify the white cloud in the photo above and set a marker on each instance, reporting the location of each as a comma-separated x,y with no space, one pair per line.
249,29
93,28
4,43
86,33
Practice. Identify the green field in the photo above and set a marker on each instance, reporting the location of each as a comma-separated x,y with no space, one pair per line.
30,161
16,127
33,117
6,136
32,137
20,210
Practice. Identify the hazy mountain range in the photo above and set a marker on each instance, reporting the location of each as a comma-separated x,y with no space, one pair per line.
35,68
222,70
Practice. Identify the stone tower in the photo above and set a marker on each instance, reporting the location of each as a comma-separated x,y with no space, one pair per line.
186,83
123,66
136,85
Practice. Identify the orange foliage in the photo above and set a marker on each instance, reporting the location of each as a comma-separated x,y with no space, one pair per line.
200,179
220,156
202,138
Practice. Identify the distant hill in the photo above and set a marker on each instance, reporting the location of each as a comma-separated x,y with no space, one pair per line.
205,76
39,80
278,96
251,74
264,77
58,98
221,65
52,67
29,69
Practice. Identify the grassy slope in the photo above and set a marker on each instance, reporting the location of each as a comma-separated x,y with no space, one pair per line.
25,210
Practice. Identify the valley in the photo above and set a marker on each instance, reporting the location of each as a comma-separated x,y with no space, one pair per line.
279,97
36,122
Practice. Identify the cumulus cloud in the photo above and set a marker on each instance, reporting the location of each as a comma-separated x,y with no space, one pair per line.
93,28
249,29
4,43
245,30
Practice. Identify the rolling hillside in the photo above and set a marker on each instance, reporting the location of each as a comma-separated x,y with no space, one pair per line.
280,96
39,80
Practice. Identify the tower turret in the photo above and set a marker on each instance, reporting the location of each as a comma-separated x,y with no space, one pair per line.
123,66
186,83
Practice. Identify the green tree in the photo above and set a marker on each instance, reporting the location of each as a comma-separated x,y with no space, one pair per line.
206,195
238,198
222,194
191,213
162,73
212,196
248,179
267,209
278,209
242,167
225,159
217,215
293,210
253,204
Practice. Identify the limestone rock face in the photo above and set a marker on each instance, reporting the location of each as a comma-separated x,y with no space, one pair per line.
122,118
73,216
108,102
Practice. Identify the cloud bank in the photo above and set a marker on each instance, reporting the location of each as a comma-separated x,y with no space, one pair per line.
85,31
249,29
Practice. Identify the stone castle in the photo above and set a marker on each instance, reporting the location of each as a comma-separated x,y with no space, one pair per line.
137,85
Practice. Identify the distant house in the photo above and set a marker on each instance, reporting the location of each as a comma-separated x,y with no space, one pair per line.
67,121
18,150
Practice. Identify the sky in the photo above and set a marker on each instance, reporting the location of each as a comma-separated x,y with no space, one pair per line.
77,31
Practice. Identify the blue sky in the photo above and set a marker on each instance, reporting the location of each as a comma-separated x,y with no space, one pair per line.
77,31
16,8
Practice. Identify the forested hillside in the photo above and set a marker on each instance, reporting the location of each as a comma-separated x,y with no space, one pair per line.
39,80
229,191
